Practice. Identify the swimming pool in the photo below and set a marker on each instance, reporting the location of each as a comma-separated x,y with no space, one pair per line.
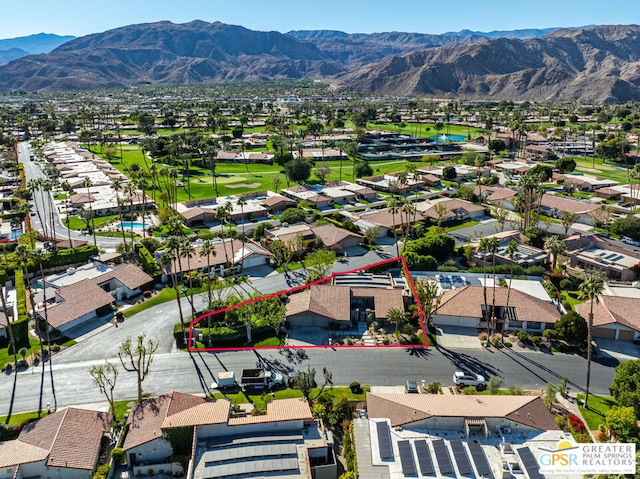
134,224
449,138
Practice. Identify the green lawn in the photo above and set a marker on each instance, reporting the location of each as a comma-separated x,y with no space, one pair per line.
606,170
260,400
19,418
598,407
5,357
167,294
234,178
76,223
572,297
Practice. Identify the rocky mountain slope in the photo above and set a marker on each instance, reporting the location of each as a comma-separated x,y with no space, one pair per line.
593,64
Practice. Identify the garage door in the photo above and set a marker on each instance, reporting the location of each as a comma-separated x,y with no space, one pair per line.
626,335
604,333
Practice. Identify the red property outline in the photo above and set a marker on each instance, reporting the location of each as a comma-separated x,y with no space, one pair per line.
304,286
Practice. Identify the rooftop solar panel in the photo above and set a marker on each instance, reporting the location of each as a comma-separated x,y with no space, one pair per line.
384,440
407,461
460,455
530,463
424,458
479,459
442,456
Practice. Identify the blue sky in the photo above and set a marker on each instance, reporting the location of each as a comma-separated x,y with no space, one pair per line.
81,17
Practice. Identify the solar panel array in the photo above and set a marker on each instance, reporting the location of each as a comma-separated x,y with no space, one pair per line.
406,459
442,456
479,459
460,455
424,458
530,463
384,440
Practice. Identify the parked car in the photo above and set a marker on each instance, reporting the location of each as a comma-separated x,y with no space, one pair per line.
466,378
411,387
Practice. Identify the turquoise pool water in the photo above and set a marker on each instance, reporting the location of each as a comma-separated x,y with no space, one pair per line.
129,224
449,138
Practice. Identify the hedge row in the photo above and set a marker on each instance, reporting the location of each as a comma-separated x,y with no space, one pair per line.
148,262
20,327
55,258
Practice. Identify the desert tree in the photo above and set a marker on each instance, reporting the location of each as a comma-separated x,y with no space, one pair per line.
137,357
105,377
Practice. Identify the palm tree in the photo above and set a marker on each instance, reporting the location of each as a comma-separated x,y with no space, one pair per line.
39,256
409,210
130,190
12,339
186,251
222,215
396,316
483,249
47,186
32,187
242,201
207,249
66,187
510,251
492,247
394,206
555,247
167,259
590,289
116,186
87,183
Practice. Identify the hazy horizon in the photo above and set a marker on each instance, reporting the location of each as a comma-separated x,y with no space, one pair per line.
79,18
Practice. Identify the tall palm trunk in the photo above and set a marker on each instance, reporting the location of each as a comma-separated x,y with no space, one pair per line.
589,339
12,339
124,238
46,327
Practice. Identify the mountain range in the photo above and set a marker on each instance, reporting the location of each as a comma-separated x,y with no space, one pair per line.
600,63
13,48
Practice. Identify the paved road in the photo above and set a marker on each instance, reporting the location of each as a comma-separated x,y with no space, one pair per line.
32,170
174,370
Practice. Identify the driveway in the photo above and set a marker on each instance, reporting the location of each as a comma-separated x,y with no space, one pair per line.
457,337
621,350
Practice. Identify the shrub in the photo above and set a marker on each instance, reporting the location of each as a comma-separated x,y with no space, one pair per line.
148,262
561,421
494,385
483,336
515,390
496,338
293,215
565,283
507,344
572,327
469,391
551,334
434,388
523,336
355,387
535,270
576,424
102,472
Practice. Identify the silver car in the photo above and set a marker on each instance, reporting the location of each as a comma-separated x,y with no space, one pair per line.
466,378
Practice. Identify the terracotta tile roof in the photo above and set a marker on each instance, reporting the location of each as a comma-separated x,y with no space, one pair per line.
64,244
384,299
403,409
454,206
566,204
276,200
146,419
295,409
331,235
467,301
72,437
129,274
612,309
384,218
333,302
80,298
231,246
216,412
17,452
86,296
